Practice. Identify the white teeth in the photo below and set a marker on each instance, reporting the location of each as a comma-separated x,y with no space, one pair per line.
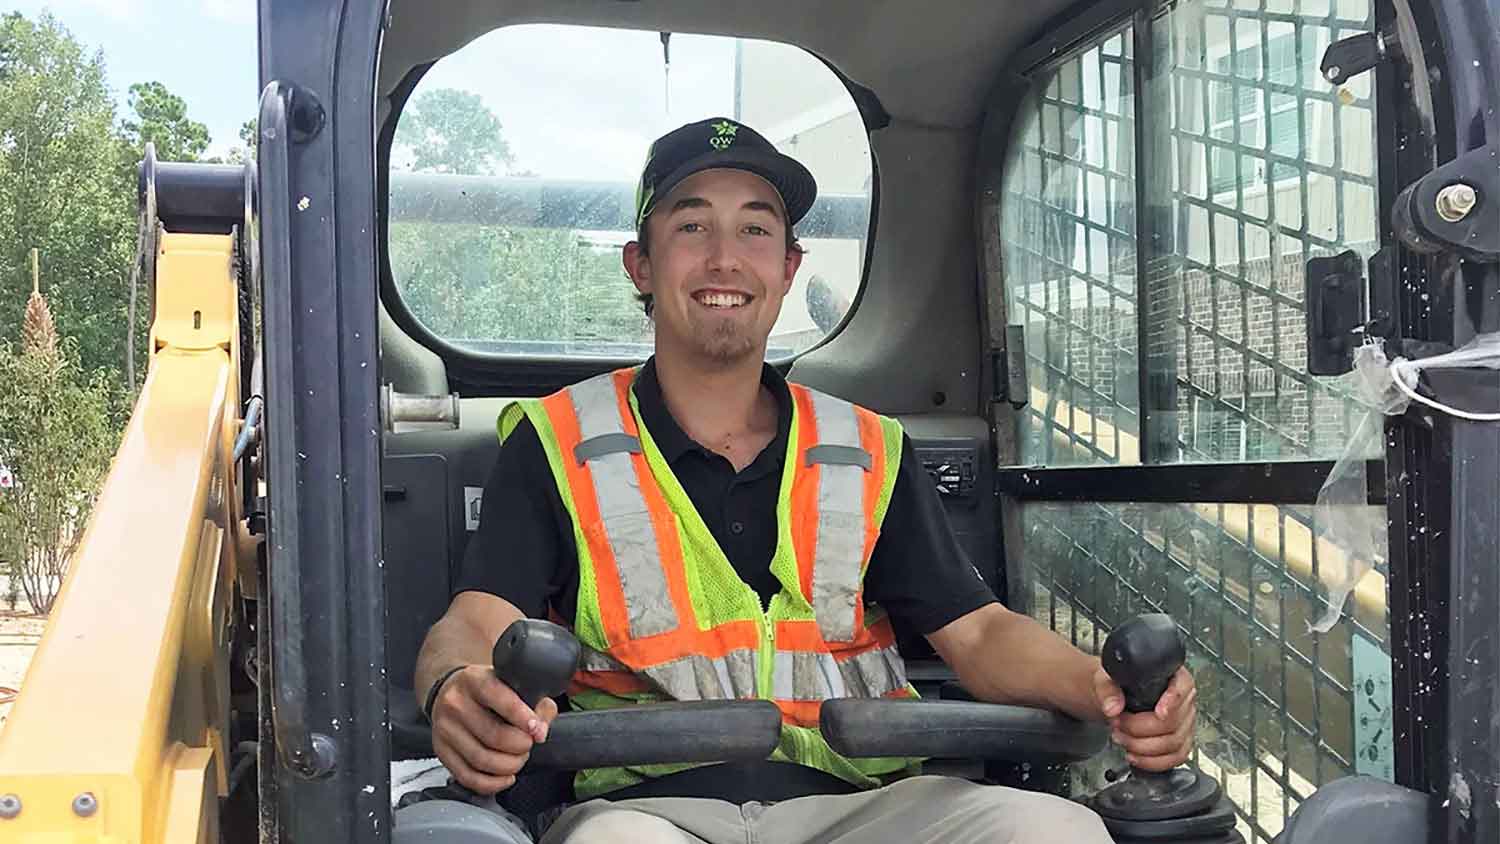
722,300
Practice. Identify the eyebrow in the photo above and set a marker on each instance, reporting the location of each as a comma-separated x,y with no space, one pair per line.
700,202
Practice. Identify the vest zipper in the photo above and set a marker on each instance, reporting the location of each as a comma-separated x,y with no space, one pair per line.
767,650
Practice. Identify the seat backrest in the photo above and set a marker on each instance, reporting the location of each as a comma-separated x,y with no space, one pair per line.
432,482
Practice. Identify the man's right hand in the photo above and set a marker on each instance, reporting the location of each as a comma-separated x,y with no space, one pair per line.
483,732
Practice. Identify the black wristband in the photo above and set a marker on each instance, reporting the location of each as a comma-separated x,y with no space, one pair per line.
432,693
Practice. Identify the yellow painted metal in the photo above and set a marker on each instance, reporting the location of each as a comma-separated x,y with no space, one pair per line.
127,696
189,313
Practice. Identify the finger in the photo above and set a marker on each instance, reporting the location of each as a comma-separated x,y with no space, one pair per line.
482,723
501,700
481,759
1144,725
1177,691
546,710
1159,745
1161,763
479,783
467,776
1111,699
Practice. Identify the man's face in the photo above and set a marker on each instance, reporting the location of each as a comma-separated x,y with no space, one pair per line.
719,266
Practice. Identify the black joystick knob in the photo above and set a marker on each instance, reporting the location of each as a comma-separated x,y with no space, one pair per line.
536,659
1141,656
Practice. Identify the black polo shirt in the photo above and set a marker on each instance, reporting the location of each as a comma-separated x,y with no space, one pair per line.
524,550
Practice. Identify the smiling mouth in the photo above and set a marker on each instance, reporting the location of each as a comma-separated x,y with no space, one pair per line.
720,299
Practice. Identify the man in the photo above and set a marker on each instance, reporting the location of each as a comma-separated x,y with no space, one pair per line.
710,531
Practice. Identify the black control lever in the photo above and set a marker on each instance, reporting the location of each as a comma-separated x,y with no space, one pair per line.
536,659
1142,656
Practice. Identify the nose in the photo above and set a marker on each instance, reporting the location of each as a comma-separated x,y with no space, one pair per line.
723,251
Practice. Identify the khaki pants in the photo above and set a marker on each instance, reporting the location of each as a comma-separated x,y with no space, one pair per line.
940,810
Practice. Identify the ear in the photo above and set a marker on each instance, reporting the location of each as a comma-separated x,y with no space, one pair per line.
637,266
793,261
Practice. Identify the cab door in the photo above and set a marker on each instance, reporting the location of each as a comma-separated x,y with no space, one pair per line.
1162,192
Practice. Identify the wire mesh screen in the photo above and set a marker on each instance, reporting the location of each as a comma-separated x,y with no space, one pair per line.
1154,244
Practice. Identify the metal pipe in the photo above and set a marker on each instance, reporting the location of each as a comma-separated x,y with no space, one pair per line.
417,407
250,429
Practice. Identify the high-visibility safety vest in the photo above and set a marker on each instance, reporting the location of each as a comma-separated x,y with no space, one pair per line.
662,615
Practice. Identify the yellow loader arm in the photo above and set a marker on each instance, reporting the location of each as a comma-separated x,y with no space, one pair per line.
119,732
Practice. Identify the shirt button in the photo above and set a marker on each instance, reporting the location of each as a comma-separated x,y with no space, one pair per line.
736,528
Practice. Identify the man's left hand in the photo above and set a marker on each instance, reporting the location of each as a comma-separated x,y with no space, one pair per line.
1157,740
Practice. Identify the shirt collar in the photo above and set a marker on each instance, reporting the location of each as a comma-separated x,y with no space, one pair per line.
669,437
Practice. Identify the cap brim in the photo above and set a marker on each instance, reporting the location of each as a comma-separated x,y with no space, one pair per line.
794,182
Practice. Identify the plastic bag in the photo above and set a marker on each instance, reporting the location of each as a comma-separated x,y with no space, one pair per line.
1352,534
1483,351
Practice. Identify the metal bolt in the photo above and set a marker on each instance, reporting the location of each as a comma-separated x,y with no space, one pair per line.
1332,73
85,804
1455,201
10,806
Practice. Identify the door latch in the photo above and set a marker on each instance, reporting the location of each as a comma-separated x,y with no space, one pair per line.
1335,312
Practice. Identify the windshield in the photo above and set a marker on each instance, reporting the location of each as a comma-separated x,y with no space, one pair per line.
513,174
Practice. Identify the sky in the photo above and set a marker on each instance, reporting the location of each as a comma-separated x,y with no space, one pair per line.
205,52
563,118
202,50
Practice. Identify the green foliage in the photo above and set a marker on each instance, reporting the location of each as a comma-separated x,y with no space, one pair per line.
63,188
160,118
243,153
67,184
479,283
484,283
446,130
56,436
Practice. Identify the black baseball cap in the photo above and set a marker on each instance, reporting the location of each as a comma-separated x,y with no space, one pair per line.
721,142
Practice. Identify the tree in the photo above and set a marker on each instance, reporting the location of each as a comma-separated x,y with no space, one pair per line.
161,118
246,150
446,130
56,437
483,283
243,153
63,187
487,283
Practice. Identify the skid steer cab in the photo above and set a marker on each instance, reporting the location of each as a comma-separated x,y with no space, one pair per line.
1190,312
538,659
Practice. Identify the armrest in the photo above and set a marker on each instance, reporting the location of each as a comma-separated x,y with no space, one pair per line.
712,731
858,727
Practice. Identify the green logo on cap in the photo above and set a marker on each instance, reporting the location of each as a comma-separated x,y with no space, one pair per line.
724,135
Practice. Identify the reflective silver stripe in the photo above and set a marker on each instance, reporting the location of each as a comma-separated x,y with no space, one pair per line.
726,682
741,666
840,455
622,508
816,676
603,444
592,660
807,680
696,677
833,678
874,673
840,547
781,676
807,675
676,679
